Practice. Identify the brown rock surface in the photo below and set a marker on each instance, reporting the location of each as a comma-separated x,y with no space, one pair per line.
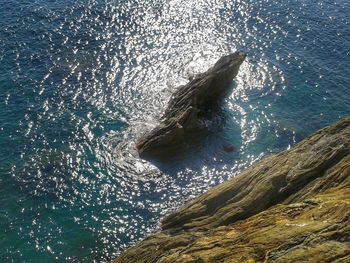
290,207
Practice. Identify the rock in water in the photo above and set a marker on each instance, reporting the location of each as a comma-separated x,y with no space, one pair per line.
182,118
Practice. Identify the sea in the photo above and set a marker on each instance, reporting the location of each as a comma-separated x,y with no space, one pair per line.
82,80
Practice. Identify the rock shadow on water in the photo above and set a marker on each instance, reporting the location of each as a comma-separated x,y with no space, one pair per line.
210,147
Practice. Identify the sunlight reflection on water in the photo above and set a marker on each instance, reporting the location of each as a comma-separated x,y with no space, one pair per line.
88,78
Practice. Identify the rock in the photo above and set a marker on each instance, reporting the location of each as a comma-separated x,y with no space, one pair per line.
289,207
228,148
182,119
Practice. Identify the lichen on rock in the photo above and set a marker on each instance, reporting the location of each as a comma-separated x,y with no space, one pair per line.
290,207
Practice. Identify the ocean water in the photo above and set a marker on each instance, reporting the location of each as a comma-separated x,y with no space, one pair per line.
81,80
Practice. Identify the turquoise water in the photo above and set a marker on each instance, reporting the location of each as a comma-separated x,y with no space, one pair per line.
81,80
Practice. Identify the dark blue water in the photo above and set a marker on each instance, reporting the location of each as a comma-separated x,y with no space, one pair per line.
81,80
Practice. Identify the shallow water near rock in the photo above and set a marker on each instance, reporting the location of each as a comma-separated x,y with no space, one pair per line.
81,80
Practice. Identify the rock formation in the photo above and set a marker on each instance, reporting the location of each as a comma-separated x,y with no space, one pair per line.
289,207
183,117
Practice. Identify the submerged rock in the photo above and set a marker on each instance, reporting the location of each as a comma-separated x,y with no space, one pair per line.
290,207
183,117
228,148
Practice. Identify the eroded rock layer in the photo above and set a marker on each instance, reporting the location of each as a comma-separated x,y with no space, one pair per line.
290,207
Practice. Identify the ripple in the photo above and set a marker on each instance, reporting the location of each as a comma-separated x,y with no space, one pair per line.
81,81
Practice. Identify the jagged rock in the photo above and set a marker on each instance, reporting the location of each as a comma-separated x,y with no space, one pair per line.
182,118
290,207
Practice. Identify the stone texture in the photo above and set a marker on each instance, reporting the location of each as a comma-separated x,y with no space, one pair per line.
186,109
290,207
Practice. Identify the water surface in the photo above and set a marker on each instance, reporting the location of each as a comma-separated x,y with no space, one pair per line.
81,80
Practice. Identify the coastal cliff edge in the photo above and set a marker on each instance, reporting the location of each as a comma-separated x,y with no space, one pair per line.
289,207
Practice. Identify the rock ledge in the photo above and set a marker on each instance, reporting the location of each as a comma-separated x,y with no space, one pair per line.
290,207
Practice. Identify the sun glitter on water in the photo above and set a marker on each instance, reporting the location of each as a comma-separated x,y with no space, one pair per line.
81,81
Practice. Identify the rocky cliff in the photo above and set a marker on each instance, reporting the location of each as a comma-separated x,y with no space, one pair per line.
290,207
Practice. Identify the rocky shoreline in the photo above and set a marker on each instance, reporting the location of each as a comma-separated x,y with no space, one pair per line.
289,207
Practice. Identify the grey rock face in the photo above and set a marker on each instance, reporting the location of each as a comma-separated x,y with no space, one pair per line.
182,118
